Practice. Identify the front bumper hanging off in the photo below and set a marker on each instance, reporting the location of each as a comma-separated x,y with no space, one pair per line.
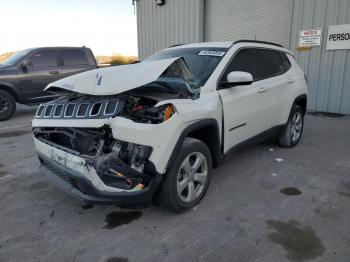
73,183
80,185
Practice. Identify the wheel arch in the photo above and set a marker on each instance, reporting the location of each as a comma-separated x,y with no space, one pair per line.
302,102
205,130
8,88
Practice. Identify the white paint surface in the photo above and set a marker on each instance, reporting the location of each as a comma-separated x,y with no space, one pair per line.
115,79
338,37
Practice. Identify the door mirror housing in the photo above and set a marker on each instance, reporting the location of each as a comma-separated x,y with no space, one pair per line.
237,78
26,64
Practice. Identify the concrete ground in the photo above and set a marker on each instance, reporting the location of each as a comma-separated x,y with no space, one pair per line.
248,214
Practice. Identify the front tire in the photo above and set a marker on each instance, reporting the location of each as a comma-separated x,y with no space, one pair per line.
186,183
291,135
7,105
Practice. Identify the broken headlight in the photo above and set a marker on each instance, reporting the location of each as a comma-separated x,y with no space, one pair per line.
142,110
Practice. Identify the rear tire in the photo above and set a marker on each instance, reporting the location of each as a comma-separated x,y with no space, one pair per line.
291,135
7,105
187,181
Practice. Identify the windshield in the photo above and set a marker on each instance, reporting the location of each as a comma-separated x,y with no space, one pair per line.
16,57
201,61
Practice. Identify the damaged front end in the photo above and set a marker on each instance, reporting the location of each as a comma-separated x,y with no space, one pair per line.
98,167
118,164
76,139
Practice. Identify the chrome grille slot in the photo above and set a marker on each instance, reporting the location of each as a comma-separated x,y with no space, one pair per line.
69,110
95,109
40,110
48,111
111,107
82,110
82,107
58,110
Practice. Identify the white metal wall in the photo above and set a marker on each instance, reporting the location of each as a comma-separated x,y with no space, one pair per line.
328,72
227,20
176,22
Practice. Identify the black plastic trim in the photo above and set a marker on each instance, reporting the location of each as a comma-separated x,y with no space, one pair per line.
235,127
257,138
300,97
257,42
225,84
215,152
11,89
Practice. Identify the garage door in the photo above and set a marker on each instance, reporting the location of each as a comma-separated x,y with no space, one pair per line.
228,20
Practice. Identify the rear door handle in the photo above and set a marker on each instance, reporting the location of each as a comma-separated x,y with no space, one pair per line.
290,81
262,90
54,72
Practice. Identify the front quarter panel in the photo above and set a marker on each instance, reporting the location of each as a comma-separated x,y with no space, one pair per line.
164,136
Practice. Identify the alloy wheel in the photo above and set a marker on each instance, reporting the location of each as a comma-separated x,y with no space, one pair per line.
296,126
4,105
192,177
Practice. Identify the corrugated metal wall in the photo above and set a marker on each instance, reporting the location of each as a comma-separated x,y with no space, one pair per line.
183,21
228,20
176,22
328,72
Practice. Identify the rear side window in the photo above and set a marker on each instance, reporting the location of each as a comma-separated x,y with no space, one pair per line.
286,63
44,58
74,57
269,63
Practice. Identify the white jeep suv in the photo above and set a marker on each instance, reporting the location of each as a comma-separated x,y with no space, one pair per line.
122,135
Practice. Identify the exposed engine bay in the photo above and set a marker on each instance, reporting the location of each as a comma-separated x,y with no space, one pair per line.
142,110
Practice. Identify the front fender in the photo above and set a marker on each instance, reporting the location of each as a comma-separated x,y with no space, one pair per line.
213,142
161,137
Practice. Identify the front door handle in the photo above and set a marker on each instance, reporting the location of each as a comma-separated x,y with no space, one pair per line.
290,81
262,90
54,72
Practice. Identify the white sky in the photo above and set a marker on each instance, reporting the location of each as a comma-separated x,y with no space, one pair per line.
107,27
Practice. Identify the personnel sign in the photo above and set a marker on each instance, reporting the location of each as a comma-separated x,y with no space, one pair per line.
338,37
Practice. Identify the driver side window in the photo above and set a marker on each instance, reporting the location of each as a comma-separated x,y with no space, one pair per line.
44,58
244,61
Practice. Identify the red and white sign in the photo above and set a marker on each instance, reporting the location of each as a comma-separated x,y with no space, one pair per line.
310,37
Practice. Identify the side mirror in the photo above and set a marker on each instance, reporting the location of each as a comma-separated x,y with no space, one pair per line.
26,64
237,78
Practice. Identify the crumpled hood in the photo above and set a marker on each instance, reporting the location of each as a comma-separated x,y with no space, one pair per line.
114,80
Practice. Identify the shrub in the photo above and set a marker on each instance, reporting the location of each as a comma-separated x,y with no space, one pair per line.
122,60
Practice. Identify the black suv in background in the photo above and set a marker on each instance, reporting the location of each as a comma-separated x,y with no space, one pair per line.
24,75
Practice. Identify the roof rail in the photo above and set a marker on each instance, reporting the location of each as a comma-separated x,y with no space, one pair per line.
175,45
258,42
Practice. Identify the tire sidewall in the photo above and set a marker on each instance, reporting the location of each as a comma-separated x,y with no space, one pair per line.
295,110
174,198
12,105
